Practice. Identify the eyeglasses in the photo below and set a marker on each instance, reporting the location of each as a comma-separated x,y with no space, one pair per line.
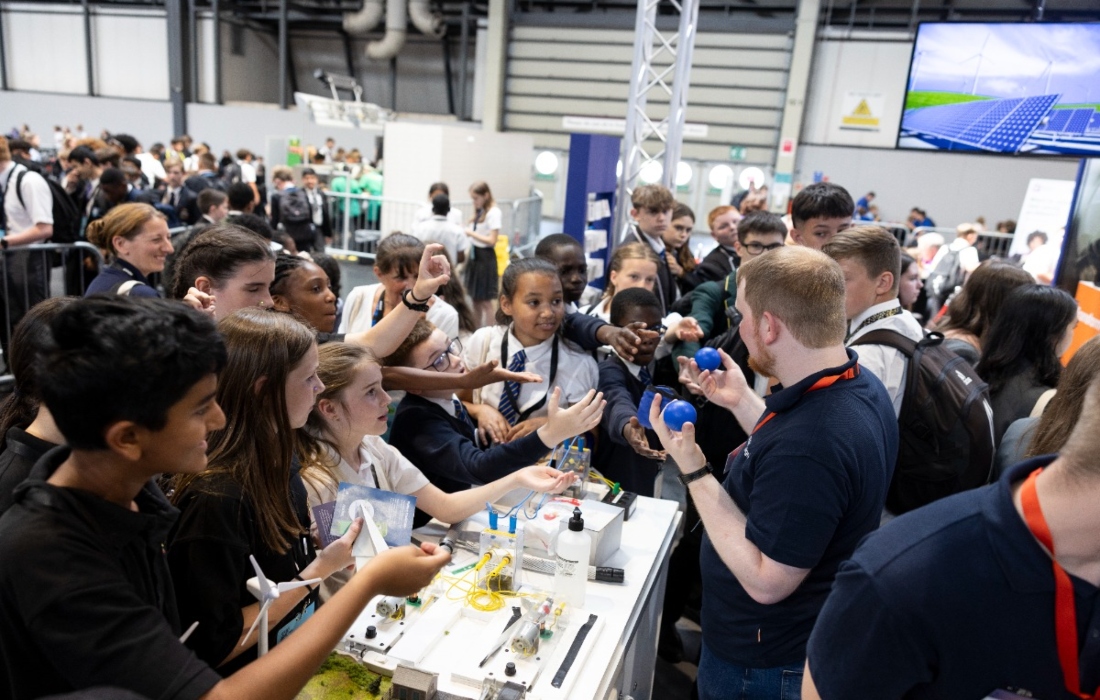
758,248
443,362
659,329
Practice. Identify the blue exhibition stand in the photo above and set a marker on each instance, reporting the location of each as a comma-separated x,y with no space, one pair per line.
591,178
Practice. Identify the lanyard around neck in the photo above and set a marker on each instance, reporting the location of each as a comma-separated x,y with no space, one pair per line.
873,319
1065,608
850,373
504,358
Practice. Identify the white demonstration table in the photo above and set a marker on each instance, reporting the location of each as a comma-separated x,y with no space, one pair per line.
618,659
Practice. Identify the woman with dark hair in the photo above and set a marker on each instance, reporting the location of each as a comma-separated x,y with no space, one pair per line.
231,264
1046,434
974,309
27,430
1021,357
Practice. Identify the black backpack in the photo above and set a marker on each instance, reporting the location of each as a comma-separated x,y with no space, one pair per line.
66,215
946,276
294,207
946,442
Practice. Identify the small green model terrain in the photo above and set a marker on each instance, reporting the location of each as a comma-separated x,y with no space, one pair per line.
341,677
920,98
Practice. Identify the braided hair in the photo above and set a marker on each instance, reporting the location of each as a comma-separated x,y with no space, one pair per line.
285,265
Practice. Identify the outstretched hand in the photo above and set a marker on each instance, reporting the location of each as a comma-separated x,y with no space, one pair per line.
680,445
725,387
625,339
490,373
564,423
405,570
634,434
545,479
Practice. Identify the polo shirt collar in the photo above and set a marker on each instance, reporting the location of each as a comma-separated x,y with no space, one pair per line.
129,269
447,405
783,398
117,525
1022,560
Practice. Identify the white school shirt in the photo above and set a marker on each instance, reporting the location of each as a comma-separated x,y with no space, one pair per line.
440,229
577,371
886,363
359,309
425,212
395,473
37,200
492,221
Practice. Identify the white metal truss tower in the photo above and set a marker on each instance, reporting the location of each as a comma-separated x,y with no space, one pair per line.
648,74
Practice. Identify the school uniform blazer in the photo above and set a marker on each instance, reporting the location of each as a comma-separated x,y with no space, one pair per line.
443,447
614,457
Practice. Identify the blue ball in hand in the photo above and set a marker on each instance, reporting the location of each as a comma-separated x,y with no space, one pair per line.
708,359
677,413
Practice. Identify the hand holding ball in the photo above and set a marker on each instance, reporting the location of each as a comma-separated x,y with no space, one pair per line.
677,413
708,359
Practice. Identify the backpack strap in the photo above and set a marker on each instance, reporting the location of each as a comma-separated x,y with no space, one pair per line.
125,287
899,342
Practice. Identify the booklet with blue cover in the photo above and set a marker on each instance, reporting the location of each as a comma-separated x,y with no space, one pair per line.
391,512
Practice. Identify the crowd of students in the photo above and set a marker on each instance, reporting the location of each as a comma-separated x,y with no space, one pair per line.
250,401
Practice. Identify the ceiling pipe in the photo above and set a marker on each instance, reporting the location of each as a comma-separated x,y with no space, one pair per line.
429,23
363,21
397,21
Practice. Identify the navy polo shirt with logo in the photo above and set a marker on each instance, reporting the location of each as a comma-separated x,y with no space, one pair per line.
811,482
954,600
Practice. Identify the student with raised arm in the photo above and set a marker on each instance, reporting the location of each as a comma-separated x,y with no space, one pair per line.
86,599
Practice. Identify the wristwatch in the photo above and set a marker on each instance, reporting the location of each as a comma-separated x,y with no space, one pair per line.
410,301
686,479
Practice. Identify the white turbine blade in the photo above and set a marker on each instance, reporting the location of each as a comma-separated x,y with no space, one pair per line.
290,585
261,616
261,580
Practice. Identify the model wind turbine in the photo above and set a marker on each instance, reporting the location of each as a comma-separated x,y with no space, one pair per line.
267,591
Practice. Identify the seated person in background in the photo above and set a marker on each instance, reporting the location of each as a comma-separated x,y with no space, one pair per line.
871,260
1045,434
565,253
819,212
972,312
677,239
433,429
526,339
440,229
626,452
712,303
341,443
724,258
396,265
1022,361
91,603
27,430
136,237
959,600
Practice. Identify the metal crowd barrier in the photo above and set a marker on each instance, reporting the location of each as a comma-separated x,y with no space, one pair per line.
33,273
360,221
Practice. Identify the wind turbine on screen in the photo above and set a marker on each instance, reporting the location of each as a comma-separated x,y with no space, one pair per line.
267,591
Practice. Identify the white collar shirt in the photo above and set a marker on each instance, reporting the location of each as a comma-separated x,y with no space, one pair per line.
886,363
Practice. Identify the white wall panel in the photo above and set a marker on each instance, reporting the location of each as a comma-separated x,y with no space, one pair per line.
868,67
951,187
130,53
44,48
146,120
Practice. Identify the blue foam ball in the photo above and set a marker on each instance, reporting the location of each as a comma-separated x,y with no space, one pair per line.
708,359
677,413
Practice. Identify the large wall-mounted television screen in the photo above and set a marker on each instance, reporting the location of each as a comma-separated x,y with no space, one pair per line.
1004,88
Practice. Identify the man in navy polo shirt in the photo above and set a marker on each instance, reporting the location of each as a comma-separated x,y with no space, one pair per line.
808,484
959,599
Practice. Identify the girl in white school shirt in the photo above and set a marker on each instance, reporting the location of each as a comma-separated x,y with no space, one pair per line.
530,315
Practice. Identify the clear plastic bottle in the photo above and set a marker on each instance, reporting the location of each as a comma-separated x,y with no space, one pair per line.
573,551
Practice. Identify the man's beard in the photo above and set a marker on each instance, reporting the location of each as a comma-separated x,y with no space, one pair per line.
762,362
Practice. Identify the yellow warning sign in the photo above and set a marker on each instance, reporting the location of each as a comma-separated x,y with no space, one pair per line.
861,111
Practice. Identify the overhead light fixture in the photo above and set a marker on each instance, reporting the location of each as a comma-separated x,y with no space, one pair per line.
720,176
684,174
651,172
751,177
546,163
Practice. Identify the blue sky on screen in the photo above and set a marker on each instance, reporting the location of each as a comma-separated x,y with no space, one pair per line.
1016,60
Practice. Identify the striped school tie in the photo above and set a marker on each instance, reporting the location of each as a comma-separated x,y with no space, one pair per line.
644,376
462,415
509,398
